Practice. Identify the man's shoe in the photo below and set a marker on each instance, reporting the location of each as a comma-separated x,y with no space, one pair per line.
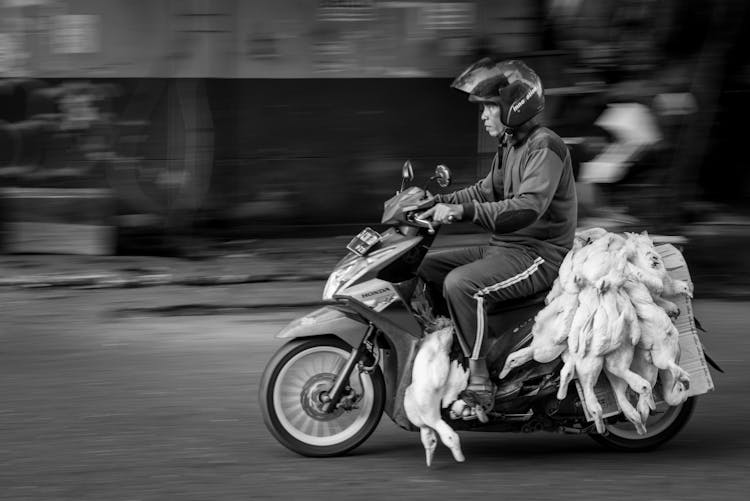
475,402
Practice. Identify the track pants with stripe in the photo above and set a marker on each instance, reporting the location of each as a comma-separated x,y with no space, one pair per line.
475,278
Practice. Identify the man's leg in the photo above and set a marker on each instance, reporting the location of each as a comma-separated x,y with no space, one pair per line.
437,265
502,273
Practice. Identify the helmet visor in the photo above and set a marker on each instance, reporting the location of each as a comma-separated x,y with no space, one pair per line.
481,81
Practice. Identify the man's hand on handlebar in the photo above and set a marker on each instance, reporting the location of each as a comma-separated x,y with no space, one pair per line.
444,213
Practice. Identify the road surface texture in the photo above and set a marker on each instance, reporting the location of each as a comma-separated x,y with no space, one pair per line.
151,394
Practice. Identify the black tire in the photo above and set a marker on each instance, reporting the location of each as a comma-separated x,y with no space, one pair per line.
302,407
666,424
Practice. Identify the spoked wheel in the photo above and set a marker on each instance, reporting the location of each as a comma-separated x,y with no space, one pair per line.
663,424
292,397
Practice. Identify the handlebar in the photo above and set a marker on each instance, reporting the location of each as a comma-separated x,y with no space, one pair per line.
408,207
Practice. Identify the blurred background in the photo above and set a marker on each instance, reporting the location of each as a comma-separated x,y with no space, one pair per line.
149,125
178,178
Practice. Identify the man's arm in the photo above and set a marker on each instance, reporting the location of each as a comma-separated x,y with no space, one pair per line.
481,191
539,181
466,195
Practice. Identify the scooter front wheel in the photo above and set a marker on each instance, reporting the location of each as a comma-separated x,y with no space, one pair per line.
292,397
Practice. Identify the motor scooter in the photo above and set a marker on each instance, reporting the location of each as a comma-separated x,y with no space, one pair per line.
324,391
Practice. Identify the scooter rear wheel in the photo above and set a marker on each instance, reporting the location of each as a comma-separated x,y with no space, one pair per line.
294,381
661,427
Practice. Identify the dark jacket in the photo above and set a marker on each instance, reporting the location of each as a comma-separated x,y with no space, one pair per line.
529,198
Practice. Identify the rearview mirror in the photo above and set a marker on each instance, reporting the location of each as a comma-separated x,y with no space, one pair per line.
443,175
407,174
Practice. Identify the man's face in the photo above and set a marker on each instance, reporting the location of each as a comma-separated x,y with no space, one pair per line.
491,119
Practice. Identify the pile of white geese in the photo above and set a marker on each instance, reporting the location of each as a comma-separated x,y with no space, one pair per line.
607,312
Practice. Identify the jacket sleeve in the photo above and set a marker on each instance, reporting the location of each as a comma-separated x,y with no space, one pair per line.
539,180
482,191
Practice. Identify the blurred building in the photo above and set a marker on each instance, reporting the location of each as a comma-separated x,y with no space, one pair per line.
245,117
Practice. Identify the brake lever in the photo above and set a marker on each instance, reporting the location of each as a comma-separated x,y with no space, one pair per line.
427,224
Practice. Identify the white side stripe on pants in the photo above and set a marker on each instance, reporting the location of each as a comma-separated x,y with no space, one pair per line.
479,296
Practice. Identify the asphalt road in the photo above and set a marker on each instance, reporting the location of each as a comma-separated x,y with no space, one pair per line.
127,395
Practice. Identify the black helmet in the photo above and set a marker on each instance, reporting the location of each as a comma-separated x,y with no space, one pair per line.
512,85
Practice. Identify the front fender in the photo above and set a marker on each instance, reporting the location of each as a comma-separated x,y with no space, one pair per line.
326,321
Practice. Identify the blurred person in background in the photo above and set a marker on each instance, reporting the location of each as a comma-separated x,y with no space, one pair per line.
677,57
527,202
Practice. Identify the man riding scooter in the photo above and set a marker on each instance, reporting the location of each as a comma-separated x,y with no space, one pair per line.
528,204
